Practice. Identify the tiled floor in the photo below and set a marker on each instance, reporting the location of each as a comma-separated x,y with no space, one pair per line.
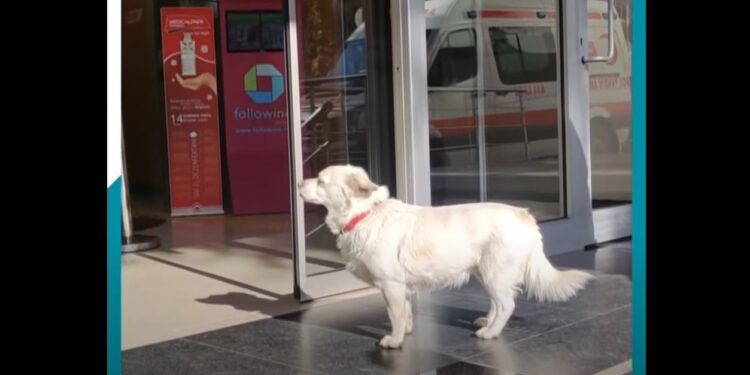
210,273
587,335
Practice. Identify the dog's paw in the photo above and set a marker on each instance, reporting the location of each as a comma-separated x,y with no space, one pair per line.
480,322
409,326
485,334
388,342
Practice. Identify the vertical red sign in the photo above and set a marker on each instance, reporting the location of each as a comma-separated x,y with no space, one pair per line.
254,96
190,90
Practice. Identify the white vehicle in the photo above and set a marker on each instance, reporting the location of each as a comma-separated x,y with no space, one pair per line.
520,67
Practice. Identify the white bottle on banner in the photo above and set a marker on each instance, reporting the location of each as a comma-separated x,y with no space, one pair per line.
187,55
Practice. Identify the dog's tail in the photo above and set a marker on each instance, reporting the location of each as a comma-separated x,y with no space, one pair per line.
547,284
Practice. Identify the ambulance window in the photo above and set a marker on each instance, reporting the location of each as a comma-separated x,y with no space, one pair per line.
456,61
430,33
524,55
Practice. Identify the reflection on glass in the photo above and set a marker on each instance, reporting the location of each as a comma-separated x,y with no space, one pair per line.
272,31
333,85
610,107
494,120
255,31
243,31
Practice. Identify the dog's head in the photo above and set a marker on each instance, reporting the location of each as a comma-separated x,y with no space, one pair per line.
339,187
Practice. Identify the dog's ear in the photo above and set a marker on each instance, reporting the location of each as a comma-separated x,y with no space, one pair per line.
360,185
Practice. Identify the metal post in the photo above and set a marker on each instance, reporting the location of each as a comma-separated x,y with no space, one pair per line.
481,105
131,242
523,122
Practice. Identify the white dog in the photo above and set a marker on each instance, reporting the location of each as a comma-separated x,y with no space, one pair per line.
400,248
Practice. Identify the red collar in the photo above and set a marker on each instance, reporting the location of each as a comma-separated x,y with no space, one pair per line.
354,221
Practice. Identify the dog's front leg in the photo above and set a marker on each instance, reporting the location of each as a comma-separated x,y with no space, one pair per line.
395,299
